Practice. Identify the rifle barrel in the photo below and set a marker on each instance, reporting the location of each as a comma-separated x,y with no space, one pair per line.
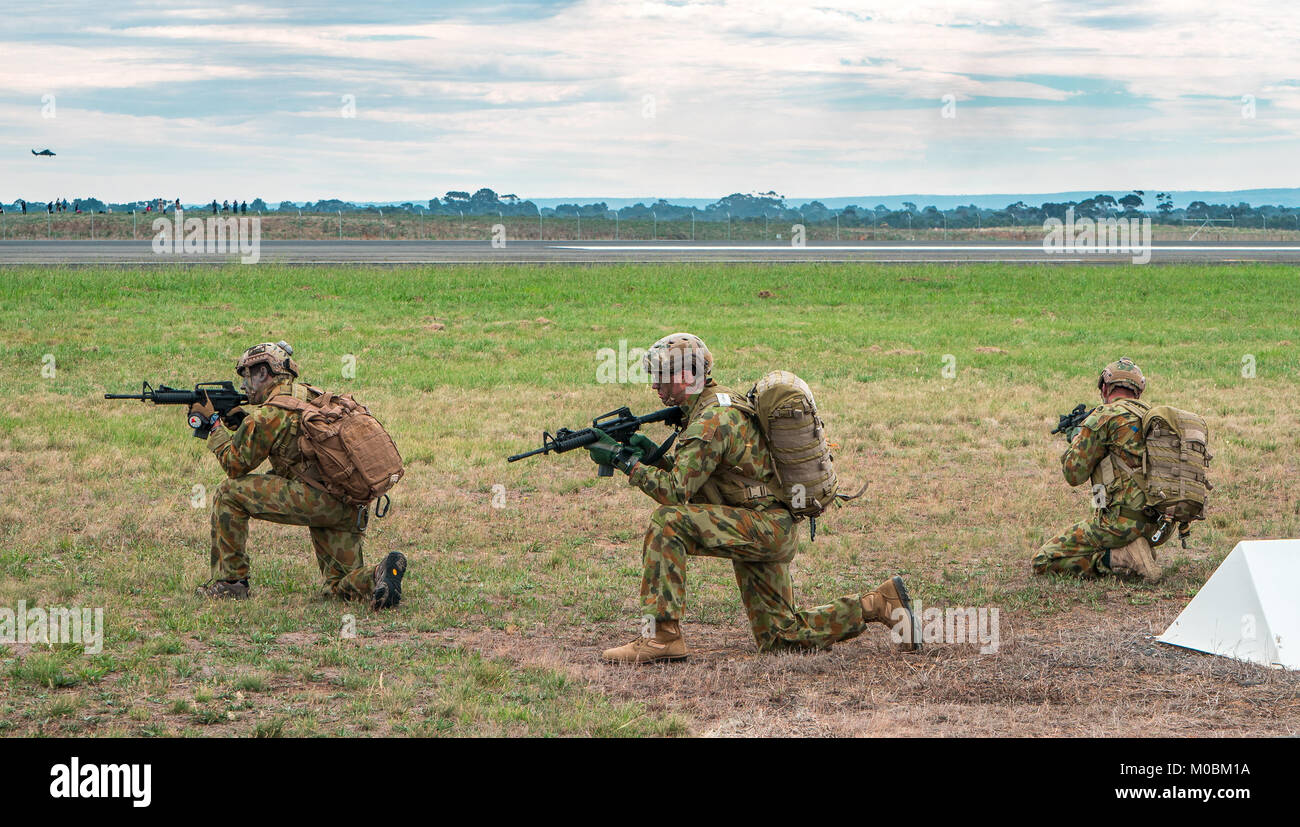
532,453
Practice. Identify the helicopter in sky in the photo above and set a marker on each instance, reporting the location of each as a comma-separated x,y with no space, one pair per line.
44,152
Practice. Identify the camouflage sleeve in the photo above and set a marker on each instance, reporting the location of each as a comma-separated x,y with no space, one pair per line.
701,447
249,446
1086,449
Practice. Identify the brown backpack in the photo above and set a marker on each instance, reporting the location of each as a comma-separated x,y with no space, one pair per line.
356,460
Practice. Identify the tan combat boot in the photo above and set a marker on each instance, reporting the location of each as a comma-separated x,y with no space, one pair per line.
667,644
880,605
1136,559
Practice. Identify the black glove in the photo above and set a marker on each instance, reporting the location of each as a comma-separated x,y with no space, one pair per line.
233,418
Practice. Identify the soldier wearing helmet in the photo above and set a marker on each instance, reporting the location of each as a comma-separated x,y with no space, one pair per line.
715,501
281,495
1103,449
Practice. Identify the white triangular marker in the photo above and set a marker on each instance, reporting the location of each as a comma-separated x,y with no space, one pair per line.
1247,610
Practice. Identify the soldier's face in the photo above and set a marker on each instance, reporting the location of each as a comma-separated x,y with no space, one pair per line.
255,380
679,386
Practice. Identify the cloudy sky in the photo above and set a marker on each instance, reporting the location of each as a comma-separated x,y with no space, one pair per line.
405,100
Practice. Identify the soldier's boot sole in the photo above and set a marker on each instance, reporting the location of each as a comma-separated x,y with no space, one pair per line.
915,644
881,605
388,582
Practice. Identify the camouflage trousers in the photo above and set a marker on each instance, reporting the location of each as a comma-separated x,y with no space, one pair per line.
279,500
760,545
1084,548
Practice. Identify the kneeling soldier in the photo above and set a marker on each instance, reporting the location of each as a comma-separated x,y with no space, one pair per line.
281,496
1114,539
704,511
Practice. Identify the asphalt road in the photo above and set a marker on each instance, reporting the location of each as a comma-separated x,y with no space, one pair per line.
536,252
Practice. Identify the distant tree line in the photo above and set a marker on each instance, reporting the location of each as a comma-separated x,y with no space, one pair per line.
772,206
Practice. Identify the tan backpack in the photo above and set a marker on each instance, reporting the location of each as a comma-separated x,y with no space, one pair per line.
1175,464
796,436
356,460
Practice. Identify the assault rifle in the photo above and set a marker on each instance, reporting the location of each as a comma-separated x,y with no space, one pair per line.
1072,419
619,424
223,396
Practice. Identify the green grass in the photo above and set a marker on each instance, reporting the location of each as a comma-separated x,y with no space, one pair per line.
175,324
95,496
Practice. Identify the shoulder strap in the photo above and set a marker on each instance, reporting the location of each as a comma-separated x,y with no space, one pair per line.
289,403
1138,475
320,399
715,397
1134,406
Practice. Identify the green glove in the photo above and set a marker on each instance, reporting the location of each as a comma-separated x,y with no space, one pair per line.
607,451
1071,433
643,443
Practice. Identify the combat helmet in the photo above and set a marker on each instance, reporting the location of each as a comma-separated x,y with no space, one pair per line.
675,352
1123,373
277,356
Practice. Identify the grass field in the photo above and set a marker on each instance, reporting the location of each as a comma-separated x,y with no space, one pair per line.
102,504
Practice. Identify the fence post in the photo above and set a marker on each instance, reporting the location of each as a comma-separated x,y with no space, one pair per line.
340,223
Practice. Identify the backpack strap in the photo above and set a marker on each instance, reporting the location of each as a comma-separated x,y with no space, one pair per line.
288,403
1116,468
305,470
843,498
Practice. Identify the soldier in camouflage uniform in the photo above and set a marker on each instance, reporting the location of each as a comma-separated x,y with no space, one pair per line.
714,501
1102,449
281,496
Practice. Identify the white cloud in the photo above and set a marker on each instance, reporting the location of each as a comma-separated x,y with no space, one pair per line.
840,97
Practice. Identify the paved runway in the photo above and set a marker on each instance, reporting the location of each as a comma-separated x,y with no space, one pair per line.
537,252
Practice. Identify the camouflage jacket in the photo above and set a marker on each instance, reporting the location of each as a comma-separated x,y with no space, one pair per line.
266,433
1110,430
719,447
